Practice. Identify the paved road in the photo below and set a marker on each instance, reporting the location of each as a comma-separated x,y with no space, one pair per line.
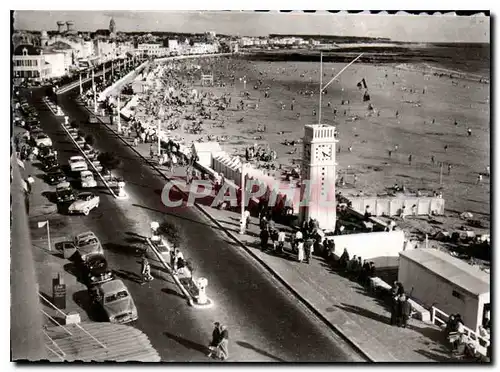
266,323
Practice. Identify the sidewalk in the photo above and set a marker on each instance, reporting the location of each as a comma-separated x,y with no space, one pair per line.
343,303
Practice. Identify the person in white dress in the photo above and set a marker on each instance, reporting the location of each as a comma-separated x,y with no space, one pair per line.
300,247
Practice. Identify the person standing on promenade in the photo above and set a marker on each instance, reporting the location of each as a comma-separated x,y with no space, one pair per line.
215,340
223,346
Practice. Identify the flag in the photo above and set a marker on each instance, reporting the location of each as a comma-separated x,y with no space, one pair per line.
42,223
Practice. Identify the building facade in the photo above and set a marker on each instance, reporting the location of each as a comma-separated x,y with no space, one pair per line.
29,63
317,193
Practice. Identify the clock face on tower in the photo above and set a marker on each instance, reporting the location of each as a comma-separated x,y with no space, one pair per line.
324,153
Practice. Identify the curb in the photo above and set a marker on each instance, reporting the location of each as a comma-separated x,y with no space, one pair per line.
337,330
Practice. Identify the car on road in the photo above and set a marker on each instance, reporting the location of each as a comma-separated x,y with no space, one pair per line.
96,270
87,178
114,298
64,192
84,245
55,176
45,152
77,164
84,203
42,140
49,162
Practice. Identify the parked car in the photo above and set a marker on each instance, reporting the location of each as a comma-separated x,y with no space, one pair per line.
87,178
49,162
55,176
84,203
43,140
83,246
96,270
64,192
45,152
77,164
80,141
115,299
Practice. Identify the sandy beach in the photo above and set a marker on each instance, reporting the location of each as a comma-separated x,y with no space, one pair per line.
414,110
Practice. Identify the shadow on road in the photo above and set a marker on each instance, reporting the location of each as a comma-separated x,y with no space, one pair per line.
363,312
128,275
171,292
130,250
82,299
246,345
187,343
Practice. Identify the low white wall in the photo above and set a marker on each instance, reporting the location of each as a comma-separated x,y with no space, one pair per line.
124,80
387,206
380,247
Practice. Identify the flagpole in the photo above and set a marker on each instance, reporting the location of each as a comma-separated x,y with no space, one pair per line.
320,86
48,236
341,71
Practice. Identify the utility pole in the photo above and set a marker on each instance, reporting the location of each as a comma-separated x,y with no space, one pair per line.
331,81
320,86
119,123
242,201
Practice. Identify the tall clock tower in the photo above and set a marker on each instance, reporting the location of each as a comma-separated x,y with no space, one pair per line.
317,193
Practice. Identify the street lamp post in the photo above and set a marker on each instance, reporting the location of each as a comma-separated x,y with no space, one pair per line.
242,201
119,123
103,72
322,89
81,88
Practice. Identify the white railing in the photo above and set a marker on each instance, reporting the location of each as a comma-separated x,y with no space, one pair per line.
55,344
440,318
76,324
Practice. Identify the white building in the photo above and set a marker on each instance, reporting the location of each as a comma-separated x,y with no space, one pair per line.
32,63
317,193
105,50
436,278
173,45
153,49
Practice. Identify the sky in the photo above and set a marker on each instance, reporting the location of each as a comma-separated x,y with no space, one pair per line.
398,28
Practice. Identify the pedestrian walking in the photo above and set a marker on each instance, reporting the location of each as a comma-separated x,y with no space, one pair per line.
264,239
223,346
390,153
449,169
212,346
281,241
405,310
136,142
151,151
445,148
469,132
300,250
479,178
355,180
433,160
410,157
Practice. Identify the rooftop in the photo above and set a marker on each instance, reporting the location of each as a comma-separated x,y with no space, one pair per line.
452,269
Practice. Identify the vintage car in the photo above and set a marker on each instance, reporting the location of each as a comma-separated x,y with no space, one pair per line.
77,164
115,299
45,152
96,270
97,165
64,192
82,247
49,162
84,203
55,176
80,141
42,140
87,178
